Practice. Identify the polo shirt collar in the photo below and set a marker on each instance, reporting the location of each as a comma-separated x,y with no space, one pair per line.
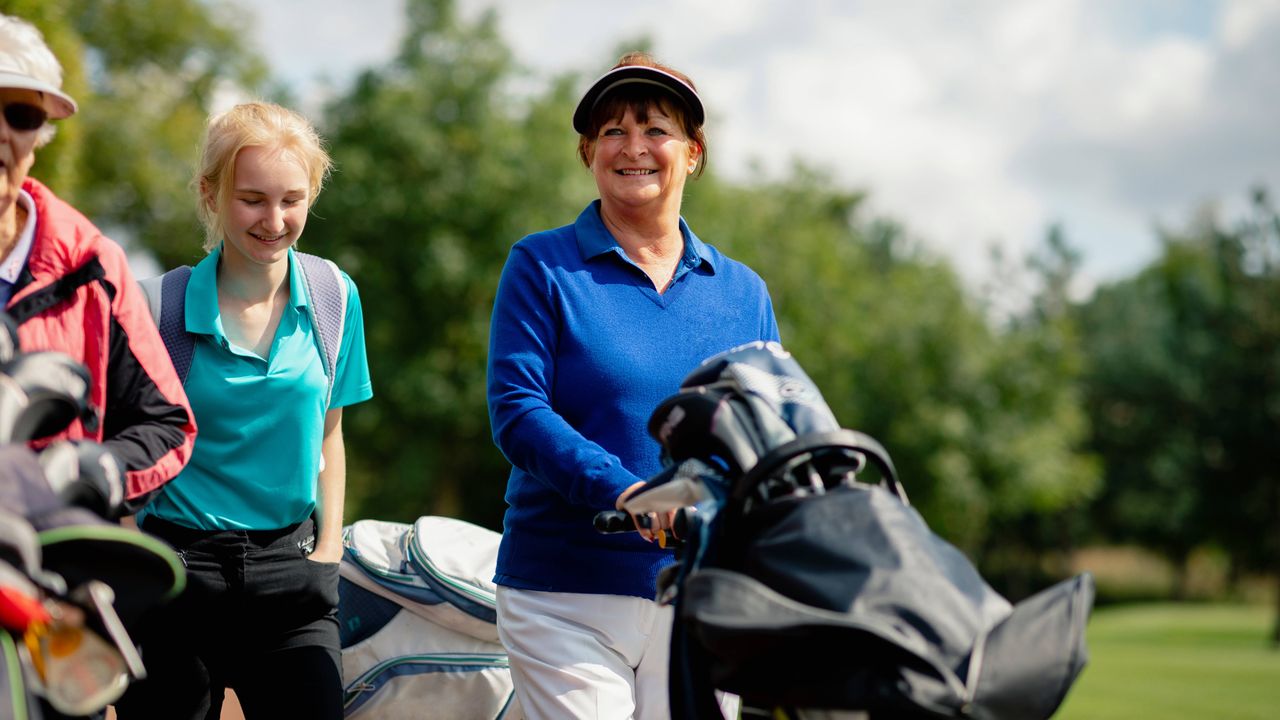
594,239
201,305
12,264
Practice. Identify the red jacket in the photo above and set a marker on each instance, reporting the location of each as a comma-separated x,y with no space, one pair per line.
144,416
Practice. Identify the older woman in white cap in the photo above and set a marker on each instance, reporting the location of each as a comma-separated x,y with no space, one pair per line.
69,288
595,323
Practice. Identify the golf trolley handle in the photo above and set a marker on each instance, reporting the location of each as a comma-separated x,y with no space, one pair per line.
841,439
608,522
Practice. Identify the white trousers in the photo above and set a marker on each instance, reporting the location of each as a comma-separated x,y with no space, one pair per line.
594,657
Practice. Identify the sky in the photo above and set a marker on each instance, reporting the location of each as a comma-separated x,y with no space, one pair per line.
974,123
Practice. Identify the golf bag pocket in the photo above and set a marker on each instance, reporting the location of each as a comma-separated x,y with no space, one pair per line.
458,561
439,568
397,664
1030,660
875,612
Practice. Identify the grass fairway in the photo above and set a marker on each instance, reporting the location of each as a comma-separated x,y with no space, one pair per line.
1167,662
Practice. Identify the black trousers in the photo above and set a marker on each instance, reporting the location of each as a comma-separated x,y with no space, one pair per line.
256,616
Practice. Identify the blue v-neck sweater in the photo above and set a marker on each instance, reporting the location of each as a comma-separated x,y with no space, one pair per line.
581,351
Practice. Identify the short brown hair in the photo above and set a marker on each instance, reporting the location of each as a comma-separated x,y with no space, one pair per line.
639,99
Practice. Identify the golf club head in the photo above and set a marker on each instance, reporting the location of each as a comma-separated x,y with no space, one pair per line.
701,423
56,390
85,474
769,375
675,487
19,545
9,345
13,403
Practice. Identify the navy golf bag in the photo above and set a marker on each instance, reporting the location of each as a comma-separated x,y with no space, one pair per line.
808,590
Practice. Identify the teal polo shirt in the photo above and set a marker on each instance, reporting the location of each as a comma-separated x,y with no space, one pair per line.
260,420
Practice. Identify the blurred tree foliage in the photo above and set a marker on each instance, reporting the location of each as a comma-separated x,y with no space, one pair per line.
442,168
145,74
439,171
444,159
1184,388
982,424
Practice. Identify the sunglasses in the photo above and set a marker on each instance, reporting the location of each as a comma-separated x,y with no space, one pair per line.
24,116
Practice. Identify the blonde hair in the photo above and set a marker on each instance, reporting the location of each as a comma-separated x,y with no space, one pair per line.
27,51
255,124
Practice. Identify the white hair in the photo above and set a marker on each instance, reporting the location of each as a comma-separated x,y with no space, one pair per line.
27,52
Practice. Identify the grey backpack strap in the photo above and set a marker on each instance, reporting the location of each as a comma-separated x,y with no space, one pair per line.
327,306
167,298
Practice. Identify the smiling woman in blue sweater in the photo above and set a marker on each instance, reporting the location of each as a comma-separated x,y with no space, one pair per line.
595,323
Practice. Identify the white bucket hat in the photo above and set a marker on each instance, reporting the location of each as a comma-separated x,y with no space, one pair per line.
12,75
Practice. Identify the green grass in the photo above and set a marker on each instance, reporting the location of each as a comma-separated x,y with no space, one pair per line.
1167,661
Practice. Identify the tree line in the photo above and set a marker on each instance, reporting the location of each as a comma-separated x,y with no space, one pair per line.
1143,414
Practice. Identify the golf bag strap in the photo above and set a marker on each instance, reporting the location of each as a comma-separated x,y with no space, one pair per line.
56,292
327,306
171,317
690,691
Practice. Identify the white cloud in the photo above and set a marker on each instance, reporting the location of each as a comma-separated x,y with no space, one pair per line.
310,42
1245,21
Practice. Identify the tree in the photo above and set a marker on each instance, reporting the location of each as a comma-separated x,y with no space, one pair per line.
1143,388
440,169
1037,443
441,165
983,424
1184,388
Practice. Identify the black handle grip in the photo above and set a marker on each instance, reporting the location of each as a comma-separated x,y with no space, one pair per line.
617,521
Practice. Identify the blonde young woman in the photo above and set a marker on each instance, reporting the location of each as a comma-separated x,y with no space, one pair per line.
257,514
